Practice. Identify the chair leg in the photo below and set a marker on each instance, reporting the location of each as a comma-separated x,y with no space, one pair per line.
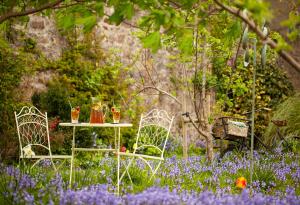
37,161
53,165
154,172
126,171
64,161
151,168
129,175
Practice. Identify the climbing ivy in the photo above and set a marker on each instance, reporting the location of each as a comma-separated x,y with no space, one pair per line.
12,65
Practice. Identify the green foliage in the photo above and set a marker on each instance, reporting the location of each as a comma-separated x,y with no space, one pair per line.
264,55
231,80
282,44
83,16
185,42
289,111
152,41
157,15
29,44
293,25
232,32
259,10
10,64
65,22
234,84
122,10
245,38
54,101
13,66
211,80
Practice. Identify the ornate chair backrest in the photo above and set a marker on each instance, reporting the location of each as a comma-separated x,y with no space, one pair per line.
153,133
33,131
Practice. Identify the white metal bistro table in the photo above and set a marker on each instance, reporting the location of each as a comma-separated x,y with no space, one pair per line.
116,126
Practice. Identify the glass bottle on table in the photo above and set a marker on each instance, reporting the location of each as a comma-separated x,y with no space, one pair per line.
98,111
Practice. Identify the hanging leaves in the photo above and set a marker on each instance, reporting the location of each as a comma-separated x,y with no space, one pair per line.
113,2
116,17
264,55
65,22
185,42
99,8
293,23
122,10
87,22
152,41
233,32
264,48
127,11
84,17
246,58
259,10
245,38
265,31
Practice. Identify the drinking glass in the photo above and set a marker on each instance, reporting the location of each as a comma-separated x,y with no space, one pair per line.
75,114
116,114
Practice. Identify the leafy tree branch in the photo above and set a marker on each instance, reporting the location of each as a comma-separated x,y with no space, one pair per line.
12,14
255,28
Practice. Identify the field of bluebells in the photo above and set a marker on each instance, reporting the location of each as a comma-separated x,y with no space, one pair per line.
276,180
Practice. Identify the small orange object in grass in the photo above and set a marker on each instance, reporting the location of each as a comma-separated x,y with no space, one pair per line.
241,182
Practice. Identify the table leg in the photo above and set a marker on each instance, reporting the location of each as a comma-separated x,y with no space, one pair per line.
115,129
118,165
72,158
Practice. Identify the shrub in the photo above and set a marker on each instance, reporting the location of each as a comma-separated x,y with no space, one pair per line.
289,111
12,68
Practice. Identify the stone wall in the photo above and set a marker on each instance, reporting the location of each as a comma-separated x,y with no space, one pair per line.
31,84
44,31
48,40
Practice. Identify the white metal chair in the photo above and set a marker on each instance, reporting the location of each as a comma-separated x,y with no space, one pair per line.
33,133
152,136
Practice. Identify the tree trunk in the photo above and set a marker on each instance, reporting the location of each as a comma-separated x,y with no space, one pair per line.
209,148
205,108
209,141
184,136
